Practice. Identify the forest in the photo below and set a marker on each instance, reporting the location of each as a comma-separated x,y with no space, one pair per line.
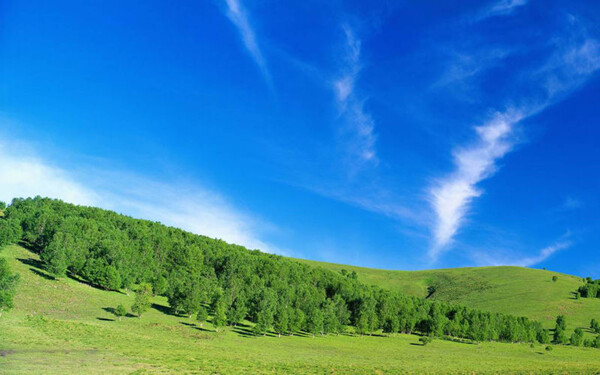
198,274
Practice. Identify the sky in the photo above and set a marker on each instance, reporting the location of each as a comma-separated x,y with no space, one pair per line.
398,135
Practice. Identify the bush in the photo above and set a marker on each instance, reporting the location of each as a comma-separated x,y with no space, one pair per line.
425,340
555,278
120,311
549,348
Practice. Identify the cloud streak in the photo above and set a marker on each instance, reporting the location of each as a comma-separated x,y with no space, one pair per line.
451,196
187,206
501,8
484,259
239,17
358,131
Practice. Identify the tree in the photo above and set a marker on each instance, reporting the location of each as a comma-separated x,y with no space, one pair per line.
8,285
596,343
555,278
2,206
201,316
543,336
219,312
120,311
559,336
425,340
595,326
281,320
561,321
10,232
314,321
142,301
577,337
297,319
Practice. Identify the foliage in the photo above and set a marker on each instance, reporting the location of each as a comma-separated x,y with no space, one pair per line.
120,311
143,294
113,251
8,284
554,278
425,340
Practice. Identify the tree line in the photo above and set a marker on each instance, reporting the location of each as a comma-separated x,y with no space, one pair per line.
198,274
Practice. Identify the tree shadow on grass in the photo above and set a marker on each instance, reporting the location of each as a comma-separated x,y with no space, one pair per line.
192,325
37,267
111,310
167,310
105,319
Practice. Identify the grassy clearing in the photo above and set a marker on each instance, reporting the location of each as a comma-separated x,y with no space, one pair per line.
64,326
511,290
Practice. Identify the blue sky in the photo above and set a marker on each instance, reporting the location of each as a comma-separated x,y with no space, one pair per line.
397,135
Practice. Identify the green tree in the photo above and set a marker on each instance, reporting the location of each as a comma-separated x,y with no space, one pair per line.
595,326
2,206
142,301
297,319
543,336
560,336
202,315
219,312
281,320
561,321
577,337
314,321
120,311
596,343
425,340
555,278
8,284
10,232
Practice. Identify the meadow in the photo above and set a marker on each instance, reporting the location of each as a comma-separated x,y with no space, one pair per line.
63,326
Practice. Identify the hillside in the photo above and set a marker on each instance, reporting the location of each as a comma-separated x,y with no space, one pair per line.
63,326
511,290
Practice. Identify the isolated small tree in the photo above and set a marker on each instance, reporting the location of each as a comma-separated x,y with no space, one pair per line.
425,340
548,348
596,343
561,322
141,304
555,278
120,311
201,316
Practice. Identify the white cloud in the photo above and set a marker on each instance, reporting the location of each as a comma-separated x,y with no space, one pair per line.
239,17
358,132
486,259
451,196
501,8
187,206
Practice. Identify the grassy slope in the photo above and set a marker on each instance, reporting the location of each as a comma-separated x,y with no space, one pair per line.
512,290
61,326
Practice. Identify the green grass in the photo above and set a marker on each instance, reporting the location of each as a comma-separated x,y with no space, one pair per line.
511,290
62,326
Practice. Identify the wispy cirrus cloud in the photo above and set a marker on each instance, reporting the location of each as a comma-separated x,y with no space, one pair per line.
358,129
500,8
500,259
239,17
451,196
189,206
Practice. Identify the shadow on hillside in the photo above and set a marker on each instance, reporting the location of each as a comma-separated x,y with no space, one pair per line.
166,310
105,319
111,310
36,267
192,325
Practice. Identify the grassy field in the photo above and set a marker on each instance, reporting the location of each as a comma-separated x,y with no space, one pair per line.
511,290
64,326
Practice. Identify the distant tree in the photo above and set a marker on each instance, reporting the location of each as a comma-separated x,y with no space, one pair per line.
2,206
548,348
560,336
425,340
543,336
595,326
555,278
577,337
120,311
142,301
237,312
596,343
265,312
561,322
201,316
8,284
